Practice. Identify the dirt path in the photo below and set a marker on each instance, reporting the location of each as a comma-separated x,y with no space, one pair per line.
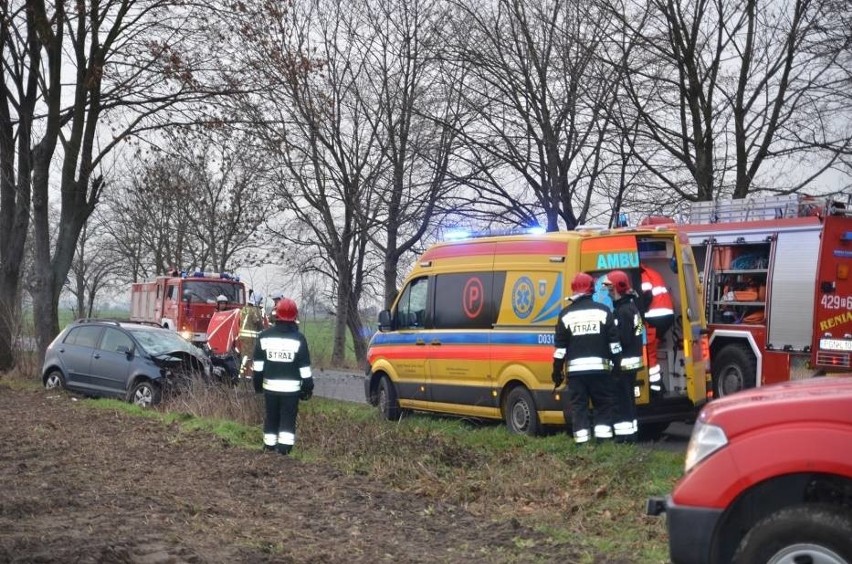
85,485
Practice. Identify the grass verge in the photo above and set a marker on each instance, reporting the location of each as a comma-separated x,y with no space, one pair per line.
592,497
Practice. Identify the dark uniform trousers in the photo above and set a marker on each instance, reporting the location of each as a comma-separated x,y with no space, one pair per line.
597,386
279,425
625,425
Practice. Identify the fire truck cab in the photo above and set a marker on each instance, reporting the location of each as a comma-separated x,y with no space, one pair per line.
185,303
777,287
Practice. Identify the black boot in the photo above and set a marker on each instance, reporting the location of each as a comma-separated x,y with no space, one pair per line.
284,449
268,448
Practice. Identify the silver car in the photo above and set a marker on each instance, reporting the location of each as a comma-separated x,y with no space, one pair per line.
131,361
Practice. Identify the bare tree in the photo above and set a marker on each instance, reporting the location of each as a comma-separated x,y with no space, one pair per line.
125,65
415,108
94,268
309,109
725,87
540,92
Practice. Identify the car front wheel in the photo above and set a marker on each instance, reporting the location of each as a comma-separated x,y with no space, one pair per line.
145,394
820,534
54,379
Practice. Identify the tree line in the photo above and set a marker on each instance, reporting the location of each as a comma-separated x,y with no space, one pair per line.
337,138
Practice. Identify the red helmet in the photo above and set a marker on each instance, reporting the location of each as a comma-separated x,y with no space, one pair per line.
583,284
619,280
286,310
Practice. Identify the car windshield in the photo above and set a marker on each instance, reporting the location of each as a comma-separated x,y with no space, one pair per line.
161,341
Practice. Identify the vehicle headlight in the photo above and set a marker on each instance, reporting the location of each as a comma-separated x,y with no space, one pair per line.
705,440
186,335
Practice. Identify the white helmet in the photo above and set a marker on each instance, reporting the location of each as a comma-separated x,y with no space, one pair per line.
221,298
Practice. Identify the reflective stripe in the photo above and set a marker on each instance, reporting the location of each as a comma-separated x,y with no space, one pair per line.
559,354
581,436
258,364
654,373
623,428
247,333
656,388
603,432
269,439
286,438
635,426
659,312
282,385
657,290
305,372
589,363
631,363
647,287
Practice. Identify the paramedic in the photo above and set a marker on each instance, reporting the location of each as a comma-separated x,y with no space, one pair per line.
629,324
586,343
658,310
282,372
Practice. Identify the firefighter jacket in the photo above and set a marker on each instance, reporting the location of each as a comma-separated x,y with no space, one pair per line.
281,361
658,302
630,326
586,339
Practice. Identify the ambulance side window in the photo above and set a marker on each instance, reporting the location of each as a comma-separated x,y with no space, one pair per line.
411,307
463,301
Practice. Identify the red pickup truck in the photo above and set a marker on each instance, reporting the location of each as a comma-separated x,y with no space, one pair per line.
768,478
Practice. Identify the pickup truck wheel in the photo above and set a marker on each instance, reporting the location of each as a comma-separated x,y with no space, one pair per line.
520,413
818,534
388,400
734,369
652,431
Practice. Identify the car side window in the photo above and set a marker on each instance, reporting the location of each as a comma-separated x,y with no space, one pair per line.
84,336
115,341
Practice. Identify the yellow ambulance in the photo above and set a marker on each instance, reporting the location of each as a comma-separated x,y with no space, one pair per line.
471,332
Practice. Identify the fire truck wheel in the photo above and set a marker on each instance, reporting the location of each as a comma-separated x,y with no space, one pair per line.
145,394
388,402
802,533
734,369
520,412
54,379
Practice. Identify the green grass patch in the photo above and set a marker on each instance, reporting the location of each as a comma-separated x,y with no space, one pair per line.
591,496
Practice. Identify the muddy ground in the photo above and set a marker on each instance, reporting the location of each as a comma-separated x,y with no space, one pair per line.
85,485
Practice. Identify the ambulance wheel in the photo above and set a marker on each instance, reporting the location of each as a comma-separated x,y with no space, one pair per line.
734,369
388,401
520,413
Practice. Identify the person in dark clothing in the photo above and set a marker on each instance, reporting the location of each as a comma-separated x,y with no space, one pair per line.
587,343
282,372
629,325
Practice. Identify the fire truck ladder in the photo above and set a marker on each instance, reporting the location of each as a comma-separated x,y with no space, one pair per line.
756,209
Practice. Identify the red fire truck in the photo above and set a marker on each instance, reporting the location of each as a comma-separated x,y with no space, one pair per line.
777,287
186,302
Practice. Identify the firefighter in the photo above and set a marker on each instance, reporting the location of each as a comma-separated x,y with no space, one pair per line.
586,341
276,297
282,372
221,302
658,310
251,324
629,325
